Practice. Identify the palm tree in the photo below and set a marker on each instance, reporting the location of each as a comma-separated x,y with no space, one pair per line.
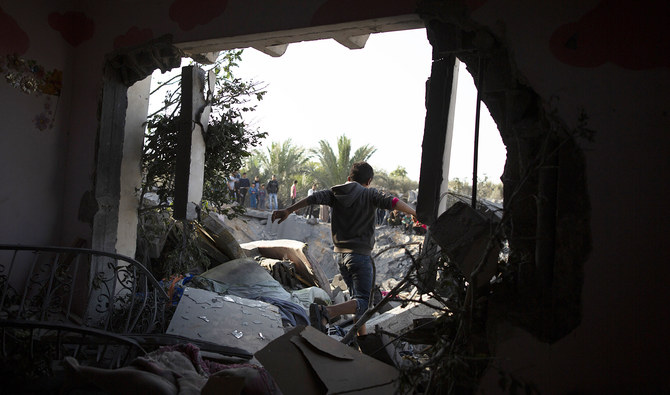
334,169
286,161
253,165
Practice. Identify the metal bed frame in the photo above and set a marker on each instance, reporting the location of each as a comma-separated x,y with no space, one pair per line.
102,308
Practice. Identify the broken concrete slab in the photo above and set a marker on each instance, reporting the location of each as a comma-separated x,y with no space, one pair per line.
226,320
293,227
400,319
222,236
308,268
258,214
243,228
208,244
306,361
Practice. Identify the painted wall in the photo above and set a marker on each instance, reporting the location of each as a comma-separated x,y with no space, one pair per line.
34,129
609,60
602,58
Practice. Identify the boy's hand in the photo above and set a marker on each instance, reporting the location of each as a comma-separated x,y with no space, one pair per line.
281,215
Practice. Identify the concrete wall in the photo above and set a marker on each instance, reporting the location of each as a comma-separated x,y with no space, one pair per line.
617,74
34,129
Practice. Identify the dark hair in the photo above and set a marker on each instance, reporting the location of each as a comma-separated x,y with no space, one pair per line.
361,172
295,181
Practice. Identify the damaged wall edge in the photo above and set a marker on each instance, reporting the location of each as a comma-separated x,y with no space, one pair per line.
437,136
526,128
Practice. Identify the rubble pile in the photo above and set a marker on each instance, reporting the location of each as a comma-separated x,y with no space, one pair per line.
263,276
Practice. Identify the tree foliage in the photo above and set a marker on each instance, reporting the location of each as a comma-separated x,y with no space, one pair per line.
228,140
395,182
486,188
334,169
399,172
285,160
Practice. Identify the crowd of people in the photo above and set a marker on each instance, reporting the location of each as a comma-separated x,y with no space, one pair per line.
263,196
409,223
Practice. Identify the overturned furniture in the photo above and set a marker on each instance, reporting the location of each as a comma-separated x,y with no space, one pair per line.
101,308
467,236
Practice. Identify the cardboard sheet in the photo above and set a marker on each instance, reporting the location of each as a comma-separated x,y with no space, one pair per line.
306,361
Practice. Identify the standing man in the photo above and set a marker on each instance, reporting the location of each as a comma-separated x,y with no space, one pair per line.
232,180
261,198
311,206
244,187
294,191
272,189
354,206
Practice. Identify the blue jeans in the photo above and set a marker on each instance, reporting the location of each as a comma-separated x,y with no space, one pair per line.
356,270
273,201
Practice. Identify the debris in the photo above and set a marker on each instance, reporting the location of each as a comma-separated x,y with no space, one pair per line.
222,236
464,235
226,319
382,347
306,266
243,278
306,361
401,318
281,270
310,295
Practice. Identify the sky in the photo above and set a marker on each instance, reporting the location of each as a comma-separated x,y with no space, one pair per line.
319,90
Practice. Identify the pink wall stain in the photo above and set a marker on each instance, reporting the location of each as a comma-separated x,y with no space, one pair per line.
134,36
74,27
189,13
13,40
632,34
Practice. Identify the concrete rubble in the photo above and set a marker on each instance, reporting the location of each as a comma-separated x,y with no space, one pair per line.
248,300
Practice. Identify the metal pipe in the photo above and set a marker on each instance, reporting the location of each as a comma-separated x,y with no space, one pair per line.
480,79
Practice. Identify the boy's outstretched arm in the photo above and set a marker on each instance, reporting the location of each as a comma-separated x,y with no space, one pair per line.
404,207
281,215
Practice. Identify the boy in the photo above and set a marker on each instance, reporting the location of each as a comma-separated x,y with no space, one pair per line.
354,206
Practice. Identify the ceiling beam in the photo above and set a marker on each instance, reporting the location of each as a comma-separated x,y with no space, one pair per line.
273,50
353,42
